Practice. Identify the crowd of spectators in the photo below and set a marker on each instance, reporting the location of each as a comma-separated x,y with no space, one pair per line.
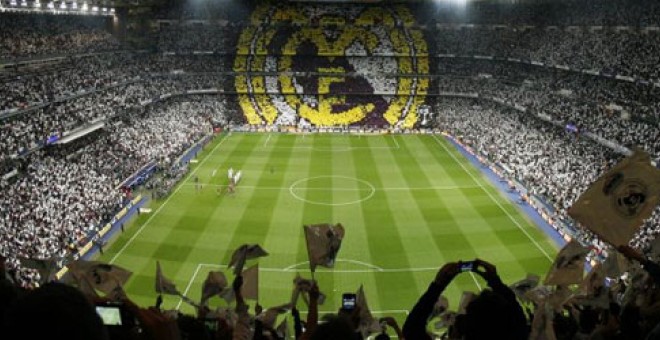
67,191
72,76
196,37
28,35
95,88
623,112
627,53
551,162
527,309
62,193
639,13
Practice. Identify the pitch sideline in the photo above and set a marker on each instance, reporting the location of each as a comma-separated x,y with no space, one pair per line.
167,200
474,178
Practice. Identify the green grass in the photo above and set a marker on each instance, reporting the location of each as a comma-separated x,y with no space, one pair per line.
424,210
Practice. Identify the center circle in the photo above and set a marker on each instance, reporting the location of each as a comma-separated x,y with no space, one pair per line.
344,184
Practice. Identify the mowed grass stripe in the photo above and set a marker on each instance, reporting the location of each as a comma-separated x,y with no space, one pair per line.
236,222
245,225
183,246
480,223
215,243
285,237
547,246
438,216
429,233
477,228
525,256
419,245
349,212
382,238
139,255
320,168
254,222
156,221
344,189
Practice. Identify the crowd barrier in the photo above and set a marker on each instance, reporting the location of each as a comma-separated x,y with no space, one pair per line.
140,176
95,236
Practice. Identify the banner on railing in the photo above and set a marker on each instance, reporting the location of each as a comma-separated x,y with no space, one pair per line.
140,176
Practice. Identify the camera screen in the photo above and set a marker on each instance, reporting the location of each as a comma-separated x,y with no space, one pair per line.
348,302
467,266
111,316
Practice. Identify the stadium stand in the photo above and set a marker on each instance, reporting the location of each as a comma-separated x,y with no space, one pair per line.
32,35
557,99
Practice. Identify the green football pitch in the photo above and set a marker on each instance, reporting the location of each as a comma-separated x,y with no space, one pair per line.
409,204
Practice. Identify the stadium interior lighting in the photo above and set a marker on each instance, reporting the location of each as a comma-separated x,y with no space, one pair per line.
85,7
24,3
51,5
12,3
74,5
460,3
62,5
95,8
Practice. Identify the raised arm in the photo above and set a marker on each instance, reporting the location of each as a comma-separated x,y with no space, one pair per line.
415,325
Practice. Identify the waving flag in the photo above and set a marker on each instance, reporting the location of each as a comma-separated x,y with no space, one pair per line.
323,243
249,289
102,276
163,284
523,286
213,285
616,205
244,253
269,316
568,267
367,324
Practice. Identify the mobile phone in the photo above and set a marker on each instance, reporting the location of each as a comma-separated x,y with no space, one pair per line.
114,315
348,301
467,266
111,315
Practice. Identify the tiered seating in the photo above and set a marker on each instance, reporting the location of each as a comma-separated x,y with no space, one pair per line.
30,35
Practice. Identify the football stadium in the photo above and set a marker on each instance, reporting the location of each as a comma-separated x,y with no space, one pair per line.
330,169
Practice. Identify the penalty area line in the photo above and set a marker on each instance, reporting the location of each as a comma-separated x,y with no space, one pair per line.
192,279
